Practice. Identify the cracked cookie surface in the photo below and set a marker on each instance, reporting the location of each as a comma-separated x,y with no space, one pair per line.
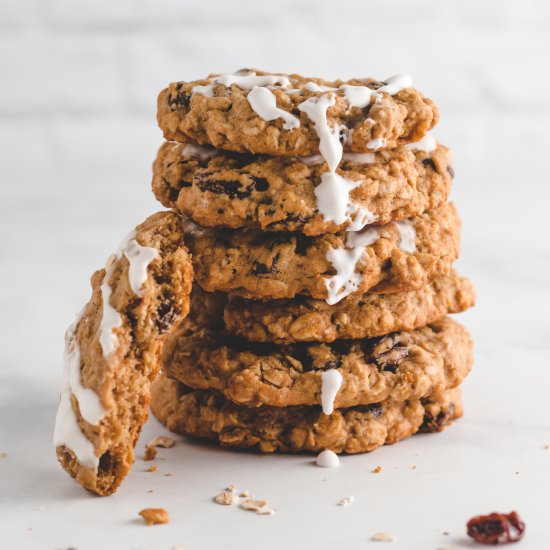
304,319
216,188
221,115
113,352
399,366
208,415
282,265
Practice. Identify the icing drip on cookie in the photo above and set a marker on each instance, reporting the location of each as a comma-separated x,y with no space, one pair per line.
344,261
203,152
139,257
327,459
427,144
67,431
332,193
376,143
244,81
331,380
264,104
313,87
394,84
360,158
360,217
407,236
358,96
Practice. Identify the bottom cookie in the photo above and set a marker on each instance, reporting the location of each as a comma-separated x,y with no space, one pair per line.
208,415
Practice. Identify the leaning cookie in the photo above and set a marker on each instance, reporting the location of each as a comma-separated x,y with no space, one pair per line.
399,256
304,319
216,188
208,415
400,366
113,352
277,114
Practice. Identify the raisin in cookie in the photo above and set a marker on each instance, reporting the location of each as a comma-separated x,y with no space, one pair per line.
398,256
113,352
215,188
275,114
400,366
304,319
207,414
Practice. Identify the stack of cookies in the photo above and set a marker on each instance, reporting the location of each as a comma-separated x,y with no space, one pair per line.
322,244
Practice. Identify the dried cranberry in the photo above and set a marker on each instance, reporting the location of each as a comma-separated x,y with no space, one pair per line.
496,528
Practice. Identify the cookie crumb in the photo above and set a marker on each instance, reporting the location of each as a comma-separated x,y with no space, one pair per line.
545,447
154,516
152,468
345,501
446,533
258,506
163,441
383,537
231,488
413,466
150,491
244,494
377,470
227,498
150,452
169,474
3,455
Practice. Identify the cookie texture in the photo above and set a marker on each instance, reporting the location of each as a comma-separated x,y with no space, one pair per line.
399,366
220,114
216,188
304,319
114,350
263,265
208,415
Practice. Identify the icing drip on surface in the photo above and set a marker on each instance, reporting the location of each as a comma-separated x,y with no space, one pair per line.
426,144
139,257
344,261
407,236
327,459
264,104
360,158
331,380
67,430
203,152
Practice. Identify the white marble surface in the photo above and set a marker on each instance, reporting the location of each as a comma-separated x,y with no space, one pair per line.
77,136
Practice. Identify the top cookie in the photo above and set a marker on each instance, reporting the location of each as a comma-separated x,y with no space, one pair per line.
276,114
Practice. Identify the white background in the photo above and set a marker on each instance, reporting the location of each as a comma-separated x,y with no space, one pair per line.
78,86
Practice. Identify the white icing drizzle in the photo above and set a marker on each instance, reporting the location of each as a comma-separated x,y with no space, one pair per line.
407,236
358,96
244,81
313,87
312,160
327,459
67,431
360,217
331,380
203,152
264,104
394,84
360,158
139,257
344,261
426,144
376,143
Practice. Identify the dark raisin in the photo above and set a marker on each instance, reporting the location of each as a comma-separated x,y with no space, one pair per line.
451,172
329,365
390,350
261,184
430,162
183,183
261,269
206,181
301,244
496,528
167,313
179,99
436,423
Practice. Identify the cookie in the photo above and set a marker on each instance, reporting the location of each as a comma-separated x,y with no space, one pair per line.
395,257
208,415
400,366
304,319
113,352
216,188
278,115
